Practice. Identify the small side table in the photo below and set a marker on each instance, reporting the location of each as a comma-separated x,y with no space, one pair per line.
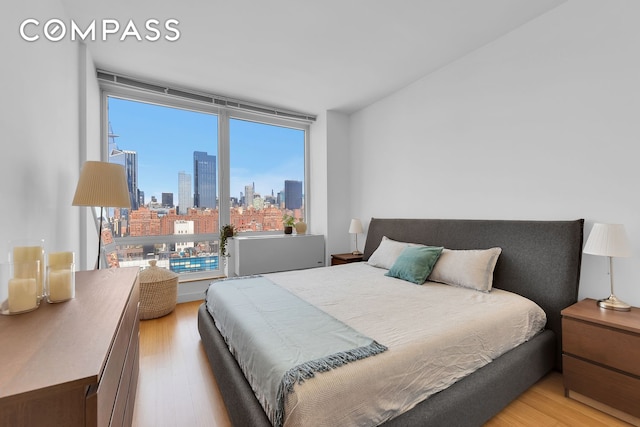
337,259
600,353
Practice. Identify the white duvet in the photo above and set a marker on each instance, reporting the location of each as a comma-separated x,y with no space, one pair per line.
435,334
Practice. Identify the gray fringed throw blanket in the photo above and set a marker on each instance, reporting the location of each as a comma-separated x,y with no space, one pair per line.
279,339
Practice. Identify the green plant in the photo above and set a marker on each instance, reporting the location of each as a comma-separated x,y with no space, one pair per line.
225,232
288,220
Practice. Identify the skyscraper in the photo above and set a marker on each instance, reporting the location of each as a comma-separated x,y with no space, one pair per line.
249,191
185,198
292,194
128,159
167,200
280,199
204,177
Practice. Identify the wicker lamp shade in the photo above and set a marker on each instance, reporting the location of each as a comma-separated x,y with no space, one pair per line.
158,291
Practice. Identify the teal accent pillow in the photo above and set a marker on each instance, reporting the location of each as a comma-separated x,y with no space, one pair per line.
415,263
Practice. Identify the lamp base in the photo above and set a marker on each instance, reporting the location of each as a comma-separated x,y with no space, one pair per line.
356,253
613,303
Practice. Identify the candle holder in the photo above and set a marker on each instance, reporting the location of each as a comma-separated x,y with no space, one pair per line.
26,250
19,287
61,284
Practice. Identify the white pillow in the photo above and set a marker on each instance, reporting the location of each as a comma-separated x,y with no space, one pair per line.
387,253
472,268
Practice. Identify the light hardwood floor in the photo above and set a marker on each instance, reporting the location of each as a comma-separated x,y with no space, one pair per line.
176,387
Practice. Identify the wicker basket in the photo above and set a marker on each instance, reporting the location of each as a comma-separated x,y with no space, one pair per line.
158,291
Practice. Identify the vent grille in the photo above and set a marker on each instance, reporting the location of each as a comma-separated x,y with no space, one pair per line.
201,97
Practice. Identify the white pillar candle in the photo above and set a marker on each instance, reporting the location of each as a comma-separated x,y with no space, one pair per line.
23,254
22,295
61,285
60,258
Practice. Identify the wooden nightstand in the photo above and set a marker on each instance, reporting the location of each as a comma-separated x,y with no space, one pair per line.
601,358
337,259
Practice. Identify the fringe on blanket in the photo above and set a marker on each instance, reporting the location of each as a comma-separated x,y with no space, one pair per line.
302,372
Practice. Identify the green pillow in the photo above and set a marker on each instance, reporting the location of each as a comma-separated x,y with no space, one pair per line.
415,263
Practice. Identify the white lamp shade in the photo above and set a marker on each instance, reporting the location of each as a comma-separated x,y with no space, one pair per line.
355,226
102,184
608,240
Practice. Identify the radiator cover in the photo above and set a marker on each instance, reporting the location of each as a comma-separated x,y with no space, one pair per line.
272,253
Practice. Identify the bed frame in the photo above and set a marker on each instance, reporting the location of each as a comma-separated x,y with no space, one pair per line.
540,260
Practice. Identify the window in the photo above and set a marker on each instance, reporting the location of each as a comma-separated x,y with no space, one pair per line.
267,175
193,167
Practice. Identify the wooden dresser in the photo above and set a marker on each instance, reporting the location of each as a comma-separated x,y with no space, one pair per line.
74,363
601,358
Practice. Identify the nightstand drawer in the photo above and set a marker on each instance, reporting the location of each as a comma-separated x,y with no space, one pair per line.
615,348
339,259
604,385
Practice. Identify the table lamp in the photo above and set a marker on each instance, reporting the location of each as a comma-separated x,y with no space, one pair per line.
102,184
354,228
609,240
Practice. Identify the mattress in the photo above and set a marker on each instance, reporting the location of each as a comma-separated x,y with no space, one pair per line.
435,334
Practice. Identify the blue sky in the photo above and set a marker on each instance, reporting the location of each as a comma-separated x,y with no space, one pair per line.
165,139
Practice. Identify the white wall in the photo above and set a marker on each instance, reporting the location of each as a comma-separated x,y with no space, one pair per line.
338,208
318,220
40,120
89,149
329,177
540,124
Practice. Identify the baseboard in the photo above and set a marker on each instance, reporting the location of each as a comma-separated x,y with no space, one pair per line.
192,291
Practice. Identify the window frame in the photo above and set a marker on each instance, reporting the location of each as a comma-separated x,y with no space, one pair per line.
224,114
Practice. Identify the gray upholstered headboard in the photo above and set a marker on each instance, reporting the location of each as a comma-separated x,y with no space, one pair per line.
540,260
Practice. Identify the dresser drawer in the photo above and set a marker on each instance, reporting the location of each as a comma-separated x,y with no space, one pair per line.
614,348
104,400
118,418
604,385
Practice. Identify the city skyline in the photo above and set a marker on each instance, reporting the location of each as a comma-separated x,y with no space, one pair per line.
266,155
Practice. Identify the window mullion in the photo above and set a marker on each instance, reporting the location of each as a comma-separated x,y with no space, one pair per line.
223,168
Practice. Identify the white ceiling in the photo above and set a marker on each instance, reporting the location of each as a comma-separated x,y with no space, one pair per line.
302,55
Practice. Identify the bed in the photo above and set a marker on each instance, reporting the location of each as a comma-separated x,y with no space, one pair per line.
540,260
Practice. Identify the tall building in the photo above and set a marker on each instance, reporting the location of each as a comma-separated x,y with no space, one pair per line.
167,200
128,159
249,191
185,198
131,170
293,194
204,180
280,199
